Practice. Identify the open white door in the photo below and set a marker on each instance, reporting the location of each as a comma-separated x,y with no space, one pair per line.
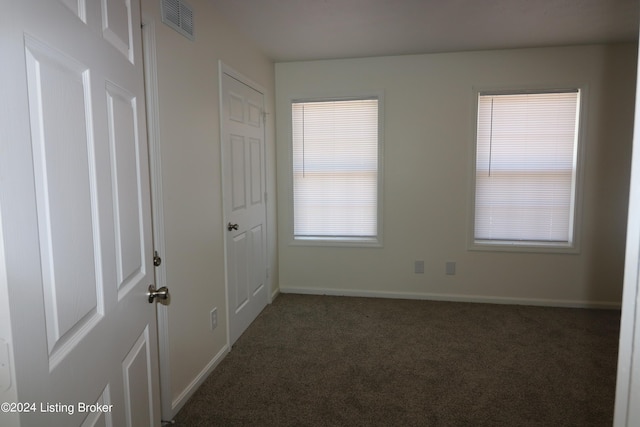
74,195
627,406
242,125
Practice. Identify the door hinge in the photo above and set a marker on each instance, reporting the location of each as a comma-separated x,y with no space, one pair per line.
156,259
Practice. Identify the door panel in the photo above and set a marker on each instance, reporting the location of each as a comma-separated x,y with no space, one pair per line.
124,147
78,7
244,204
256,261
75,203
238,172
254,114
239,272
61,143
117,25
138,384
255,168
100,419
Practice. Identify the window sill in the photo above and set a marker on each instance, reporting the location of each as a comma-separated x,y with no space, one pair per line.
524,246
355,242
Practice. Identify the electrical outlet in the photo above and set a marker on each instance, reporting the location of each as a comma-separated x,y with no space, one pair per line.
450,268
214,318
418,267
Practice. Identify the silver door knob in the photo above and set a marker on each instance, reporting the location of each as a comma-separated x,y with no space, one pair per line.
232,226
161,294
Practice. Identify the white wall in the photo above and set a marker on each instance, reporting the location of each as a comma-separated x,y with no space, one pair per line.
429,122
192,194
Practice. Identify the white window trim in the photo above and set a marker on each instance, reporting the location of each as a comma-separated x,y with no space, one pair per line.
371,242
529,246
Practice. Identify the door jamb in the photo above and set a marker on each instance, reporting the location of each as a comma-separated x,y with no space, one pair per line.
157,215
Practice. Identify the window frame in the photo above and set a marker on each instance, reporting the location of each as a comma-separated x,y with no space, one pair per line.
374,241
572,247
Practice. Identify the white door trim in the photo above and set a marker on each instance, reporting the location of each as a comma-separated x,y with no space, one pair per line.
222,70
155,172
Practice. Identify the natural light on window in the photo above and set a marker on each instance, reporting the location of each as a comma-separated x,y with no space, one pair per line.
335,151
525,177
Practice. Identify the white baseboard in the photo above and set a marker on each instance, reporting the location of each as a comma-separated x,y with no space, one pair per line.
609,305
183,397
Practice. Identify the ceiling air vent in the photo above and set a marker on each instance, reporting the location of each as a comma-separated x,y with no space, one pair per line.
179,16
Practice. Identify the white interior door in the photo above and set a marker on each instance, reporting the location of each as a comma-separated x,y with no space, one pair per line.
76,216
244,201
627,405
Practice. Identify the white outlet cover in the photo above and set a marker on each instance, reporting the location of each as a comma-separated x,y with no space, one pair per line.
214,318
450,268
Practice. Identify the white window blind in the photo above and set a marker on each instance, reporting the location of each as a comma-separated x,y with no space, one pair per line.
335,168
526,153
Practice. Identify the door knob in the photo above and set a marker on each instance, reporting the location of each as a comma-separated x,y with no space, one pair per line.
232,226
162,293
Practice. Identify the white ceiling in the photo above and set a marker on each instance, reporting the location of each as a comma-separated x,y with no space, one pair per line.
294,30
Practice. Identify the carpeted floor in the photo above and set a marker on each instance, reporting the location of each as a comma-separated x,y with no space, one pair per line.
340,361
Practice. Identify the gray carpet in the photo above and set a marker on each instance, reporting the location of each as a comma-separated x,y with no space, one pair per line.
339,361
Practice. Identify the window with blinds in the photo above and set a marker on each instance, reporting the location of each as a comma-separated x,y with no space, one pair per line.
525,177
335,152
